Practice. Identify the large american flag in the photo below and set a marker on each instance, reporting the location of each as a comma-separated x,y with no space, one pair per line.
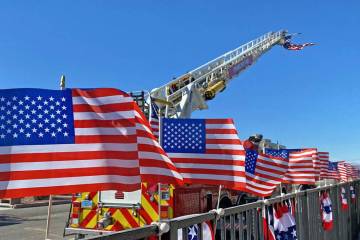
66,141
264,172
205,151
301,165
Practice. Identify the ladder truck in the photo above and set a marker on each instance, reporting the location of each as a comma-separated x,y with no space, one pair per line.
104,211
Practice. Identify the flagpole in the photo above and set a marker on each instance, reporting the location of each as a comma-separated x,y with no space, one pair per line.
47,232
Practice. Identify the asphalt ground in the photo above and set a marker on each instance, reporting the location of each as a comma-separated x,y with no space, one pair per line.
30,223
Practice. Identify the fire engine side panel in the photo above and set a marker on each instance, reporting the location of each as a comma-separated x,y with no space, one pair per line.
121,217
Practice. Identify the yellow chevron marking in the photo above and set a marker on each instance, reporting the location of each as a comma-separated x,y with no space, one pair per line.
121,218
93,222
149,209
142,221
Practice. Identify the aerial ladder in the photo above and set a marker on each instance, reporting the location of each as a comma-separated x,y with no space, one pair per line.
190,92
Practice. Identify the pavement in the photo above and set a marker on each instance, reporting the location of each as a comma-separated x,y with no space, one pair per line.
30,223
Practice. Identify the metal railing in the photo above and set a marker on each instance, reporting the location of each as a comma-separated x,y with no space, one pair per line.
246,221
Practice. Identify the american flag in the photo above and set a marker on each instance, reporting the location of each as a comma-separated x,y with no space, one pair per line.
66,141
324,163
155,165
291,46
205,151
301,166
342,171
264,172
332,171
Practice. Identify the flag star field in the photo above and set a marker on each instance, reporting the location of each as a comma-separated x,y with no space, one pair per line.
186,136
32,118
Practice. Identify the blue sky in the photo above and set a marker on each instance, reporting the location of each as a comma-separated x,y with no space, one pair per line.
307,98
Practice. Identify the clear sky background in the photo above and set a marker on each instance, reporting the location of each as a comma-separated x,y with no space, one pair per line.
301,99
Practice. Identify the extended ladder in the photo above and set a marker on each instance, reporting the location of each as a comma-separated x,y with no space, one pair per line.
190,91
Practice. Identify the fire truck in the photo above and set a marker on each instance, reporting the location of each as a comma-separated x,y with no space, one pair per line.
104,211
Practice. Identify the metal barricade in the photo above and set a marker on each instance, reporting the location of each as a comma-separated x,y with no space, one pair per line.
245,222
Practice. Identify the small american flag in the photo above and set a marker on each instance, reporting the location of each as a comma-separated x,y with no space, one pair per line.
301,165
205,151
264,172
291,46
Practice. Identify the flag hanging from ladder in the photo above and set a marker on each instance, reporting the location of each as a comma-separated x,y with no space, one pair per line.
67,141
205,151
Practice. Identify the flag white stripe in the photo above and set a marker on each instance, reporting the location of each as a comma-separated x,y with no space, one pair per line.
262,179
219,126
67,181
225,146
210,166
206,156
160,171
215,177
258,190
104,116
102,100
222,136
68,164
105,131
271,161
154,156
58,148
272,167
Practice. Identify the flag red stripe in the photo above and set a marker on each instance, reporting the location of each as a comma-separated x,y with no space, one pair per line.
98,92
104,123
221,131
62,173
43,191
41,157
219,121
105,139
106,108
224,141
209,161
